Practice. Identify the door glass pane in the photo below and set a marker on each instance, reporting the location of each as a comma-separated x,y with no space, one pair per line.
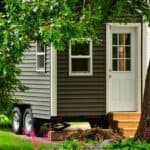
128,53
122,63
121,52
115,52
115,65
122,39
115,40
127,39
128,64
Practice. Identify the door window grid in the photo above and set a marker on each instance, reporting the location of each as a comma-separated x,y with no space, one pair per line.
121,52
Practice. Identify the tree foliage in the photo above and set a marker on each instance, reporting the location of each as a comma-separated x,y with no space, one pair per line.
52,21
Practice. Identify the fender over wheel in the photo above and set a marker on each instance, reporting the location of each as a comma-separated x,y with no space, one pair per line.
17,121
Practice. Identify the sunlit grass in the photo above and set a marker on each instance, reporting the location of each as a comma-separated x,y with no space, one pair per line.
9,141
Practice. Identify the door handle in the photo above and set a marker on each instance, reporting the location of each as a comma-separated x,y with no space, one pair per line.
110,70
110,76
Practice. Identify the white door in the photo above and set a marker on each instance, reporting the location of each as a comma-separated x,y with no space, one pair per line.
121,69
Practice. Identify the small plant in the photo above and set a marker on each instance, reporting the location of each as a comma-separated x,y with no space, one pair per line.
93,142
69,145
129,144
4,121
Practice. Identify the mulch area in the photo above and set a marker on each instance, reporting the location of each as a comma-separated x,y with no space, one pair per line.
81,132
95,134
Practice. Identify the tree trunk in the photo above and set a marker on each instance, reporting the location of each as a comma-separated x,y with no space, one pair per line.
143,131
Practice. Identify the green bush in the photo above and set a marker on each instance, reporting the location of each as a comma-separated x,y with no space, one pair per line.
5,122
129,144
69,145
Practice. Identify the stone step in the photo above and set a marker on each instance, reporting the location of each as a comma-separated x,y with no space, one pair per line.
124,115
126,123
127,132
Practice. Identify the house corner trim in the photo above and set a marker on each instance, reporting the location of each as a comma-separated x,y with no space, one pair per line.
53,81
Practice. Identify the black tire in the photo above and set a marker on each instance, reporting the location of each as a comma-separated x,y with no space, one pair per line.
17,121
28,122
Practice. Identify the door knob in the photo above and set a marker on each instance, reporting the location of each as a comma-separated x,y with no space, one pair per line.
110,76
109,70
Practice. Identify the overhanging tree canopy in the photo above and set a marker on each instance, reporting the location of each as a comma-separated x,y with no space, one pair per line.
52,21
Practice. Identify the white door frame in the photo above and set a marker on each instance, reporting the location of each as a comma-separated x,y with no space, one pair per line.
146,51
137,27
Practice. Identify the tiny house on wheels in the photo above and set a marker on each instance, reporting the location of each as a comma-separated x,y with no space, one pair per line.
86,81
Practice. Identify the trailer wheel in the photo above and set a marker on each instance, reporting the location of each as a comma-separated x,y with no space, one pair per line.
17,121
27,121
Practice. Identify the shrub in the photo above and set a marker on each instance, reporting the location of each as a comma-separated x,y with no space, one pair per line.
5,122
129,144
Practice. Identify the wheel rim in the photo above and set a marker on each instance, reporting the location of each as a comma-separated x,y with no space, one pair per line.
28,123
16,121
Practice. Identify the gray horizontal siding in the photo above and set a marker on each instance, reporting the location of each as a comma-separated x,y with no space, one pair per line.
83,95
34,98
33,77
35,82
38,94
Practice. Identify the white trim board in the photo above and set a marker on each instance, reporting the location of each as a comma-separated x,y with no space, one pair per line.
137,27
53,82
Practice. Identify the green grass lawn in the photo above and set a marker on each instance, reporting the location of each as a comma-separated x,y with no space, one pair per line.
9,141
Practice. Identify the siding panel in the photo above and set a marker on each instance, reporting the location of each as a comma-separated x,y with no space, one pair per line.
38,94
83,95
